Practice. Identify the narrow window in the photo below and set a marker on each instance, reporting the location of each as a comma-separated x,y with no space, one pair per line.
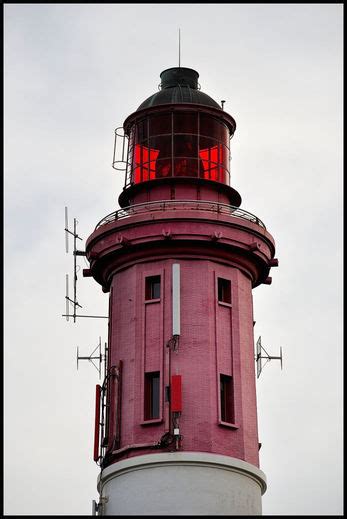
224,290
152,288
226,399
152,395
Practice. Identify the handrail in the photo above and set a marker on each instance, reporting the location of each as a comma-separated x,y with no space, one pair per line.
192,205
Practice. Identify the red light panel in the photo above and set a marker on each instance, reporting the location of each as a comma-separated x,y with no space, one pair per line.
211,158
144,162
176,393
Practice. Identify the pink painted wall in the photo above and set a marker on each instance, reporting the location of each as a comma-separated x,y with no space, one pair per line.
184,191
215,338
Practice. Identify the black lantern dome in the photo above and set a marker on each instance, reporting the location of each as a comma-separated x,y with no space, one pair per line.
179,85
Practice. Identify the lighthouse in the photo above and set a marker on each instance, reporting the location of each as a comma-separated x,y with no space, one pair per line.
176,415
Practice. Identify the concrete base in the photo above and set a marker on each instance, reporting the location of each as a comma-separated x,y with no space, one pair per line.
181,483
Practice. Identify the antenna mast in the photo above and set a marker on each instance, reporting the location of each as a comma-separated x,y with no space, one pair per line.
75,254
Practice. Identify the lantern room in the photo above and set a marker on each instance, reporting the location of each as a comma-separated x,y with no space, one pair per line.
178,133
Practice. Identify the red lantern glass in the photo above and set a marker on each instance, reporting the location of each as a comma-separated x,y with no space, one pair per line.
178,144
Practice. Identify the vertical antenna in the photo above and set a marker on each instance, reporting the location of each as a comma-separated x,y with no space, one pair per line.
67,297
179,47
66,232
75,269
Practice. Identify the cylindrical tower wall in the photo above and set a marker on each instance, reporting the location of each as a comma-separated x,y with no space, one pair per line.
178,190
216,344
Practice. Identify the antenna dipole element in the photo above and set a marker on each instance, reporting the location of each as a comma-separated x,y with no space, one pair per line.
179,47
98,357
66,232
67,296
267,357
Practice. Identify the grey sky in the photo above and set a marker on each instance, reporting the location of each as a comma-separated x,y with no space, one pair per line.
72,74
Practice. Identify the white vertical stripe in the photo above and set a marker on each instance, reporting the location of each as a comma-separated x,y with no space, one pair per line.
176,300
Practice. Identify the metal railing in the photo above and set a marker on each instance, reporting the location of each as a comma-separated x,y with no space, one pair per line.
171,205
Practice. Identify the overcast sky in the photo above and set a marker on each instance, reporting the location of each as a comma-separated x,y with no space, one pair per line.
73,73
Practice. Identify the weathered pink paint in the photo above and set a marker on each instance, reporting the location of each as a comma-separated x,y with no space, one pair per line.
216,338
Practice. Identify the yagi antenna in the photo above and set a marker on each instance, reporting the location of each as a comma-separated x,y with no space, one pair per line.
98,357
76,253
259,357
75,237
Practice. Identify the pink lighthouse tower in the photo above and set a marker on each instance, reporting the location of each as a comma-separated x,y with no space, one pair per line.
176,416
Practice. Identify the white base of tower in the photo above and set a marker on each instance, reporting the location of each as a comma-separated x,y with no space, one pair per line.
181,483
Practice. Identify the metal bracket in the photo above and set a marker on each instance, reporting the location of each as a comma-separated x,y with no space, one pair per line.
173,343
